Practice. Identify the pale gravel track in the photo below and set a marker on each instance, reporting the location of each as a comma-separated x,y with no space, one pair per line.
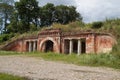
38,69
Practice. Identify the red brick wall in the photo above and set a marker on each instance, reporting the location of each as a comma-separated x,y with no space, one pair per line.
95,43
55,40
90,44
104,43
14,46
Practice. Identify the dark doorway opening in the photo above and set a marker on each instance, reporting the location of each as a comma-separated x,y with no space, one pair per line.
27,46
31,46
48,46
75,46
83,46
66,47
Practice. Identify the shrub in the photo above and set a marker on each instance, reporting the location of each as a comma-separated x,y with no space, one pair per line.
33,27
116,49
97,25
5,37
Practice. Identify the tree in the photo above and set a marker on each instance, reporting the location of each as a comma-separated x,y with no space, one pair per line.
5,13
28,11
60,14
10,2
28,15
13,26
66,14
0,25
47,14
17,26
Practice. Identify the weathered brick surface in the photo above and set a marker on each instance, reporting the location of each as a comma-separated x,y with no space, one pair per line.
14,46
104,43
94,42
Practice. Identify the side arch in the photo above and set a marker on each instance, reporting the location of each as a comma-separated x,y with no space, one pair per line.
55,44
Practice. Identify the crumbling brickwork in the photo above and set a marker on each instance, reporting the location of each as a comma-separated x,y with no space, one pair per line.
58,41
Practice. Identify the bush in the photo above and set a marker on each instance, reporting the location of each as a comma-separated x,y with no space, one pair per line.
5,37
97,25
33,27
116,49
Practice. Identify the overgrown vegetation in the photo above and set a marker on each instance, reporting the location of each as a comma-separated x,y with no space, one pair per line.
5,37
9,53
109,60
116,49
97,25
4,76
27,19
104,60
27,15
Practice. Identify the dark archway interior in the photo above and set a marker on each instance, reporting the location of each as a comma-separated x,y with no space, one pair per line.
48,46
27,46
66,47
83,46
75,44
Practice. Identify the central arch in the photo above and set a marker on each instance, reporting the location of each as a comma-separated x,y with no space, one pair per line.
49,44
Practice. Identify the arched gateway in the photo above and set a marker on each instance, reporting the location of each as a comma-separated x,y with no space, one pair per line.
48,44
59,41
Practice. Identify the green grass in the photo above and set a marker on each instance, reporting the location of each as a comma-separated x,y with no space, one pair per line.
9,53
104,60
4,76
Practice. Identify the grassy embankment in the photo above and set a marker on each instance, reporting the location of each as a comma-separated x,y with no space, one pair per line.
108,60
104,60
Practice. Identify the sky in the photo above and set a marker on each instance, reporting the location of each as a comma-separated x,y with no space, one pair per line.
91,10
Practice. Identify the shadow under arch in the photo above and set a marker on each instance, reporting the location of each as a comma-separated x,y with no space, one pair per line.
49,44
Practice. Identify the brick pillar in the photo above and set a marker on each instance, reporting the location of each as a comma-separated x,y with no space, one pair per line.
70,46
34,46
30,46
79,47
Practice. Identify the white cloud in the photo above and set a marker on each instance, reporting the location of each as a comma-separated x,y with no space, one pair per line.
57,2
16,0
95,10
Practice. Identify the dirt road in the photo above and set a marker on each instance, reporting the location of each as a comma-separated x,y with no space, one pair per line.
38,69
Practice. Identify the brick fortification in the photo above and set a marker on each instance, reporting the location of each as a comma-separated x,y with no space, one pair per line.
59,41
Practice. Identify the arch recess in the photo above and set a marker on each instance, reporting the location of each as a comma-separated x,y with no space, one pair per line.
55,44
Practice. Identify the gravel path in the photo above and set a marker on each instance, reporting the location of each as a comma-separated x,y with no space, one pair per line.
38,69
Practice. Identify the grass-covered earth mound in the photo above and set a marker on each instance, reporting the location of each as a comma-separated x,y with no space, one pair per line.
108,26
